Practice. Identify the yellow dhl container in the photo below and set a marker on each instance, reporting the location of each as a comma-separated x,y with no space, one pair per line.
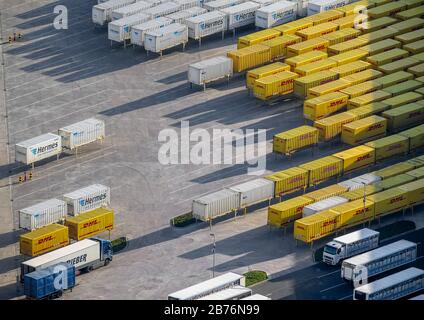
412,3
394,78
282,213
368,98
410,13
351,68
377,24
359,193
389,201
420,90
376,36
361,89
347,22
414,192
314,67
418,57
399,65
316,226
417,70
363,130
303,84
404,117
386,9
323,17
289,180
362,76
279,45
408,25
249,57
292,27
381,46
305,58
393,182
327,192
355,158
90,223
295,139
410,36
43,240
316,44
402,99
415,136
387,57
417,162
323,169
331,127
348,56
404,87
265,71
394,170
389,146
328,87
416,173
346,46
323,106
368,110
317,30
278,84
257,37
353,212
356,7
420,79
341,35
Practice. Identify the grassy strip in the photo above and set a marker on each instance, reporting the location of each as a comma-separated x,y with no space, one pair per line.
255,276
183,220
119,244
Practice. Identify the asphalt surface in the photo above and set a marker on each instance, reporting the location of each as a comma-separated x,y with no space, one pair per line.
323,282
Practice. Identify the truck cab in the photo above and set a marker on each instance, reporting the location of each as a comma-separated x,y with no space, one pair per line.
106,251
333,252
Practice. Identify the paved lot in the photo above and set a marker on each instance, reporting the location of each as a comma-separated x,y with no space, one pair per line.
57,77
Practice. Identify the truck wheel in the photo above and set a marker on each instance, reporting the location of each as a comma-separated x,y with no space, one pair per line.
90,268
107,261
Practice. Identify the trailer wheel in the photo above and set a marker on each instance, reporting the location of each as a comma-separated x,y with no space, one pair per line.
90,268
107,261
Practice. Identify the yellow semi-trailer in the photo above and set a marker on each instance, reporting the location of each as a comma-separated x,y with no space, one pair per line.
346,46
376,24
398,65
386,9
353,8
295,139
289,180
411,13
326,192
368,110
341,35
282,213
404,117
347,22
303,84
363,76
389,201
314,67
317,30
417,173
403,87
249,57
257,37
356,158
316,44
316,226
415,137
279,45
387,56
353,212
361,88
393,182
415,47
417,70
359,193
410,36
402,99
274,85
290,28
323,169
43,240
351,68
394,170
264,71
408,25
363,130
376,36
389,146
367,99
331,127
91,223
380,46
328,87
323,16
394,78
348,56
305,58
323,106
414,191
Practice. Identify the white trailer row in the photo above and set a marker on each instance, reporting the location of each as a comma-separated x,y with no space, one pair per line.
165,38
205,71
73,203
276,14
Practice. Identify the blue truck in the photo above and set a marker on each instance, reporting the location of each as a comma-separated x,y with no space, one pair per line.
49,283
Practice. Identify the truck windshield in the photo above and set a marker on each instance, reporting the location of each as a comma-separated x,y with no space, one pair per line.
330,250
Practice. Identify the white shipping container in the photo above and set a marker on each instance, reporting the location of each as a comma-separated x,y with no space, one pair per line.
181,16
263,3
42,214
81,133
275,14
38,148
367,179
162,10
166,37
86,199
130,10
254,191
241,15
351,185
120,30
221,4
323,205
317,6
302,7
102,12
206,24
138,31
186,4
215,204
209,70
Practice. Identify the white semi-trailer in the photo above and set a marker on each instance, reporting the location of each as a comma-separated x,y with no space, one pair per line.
350,245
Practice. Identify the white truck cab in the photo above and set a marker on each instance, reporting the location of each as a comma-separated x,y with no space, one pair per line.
349,245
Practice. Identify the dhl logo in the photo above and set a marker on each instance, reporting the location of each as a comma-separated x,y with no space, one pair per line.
397,199
364,157
333,167
328,223
90,224
414,114
299,209
296,179
375,126
337,102
394,147
325,81
361,211
285,82
45,239
326,32
289,43
306,136
320,47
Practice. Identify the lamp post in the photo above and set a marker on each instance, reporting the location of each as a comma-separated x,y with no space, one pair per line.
213,254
